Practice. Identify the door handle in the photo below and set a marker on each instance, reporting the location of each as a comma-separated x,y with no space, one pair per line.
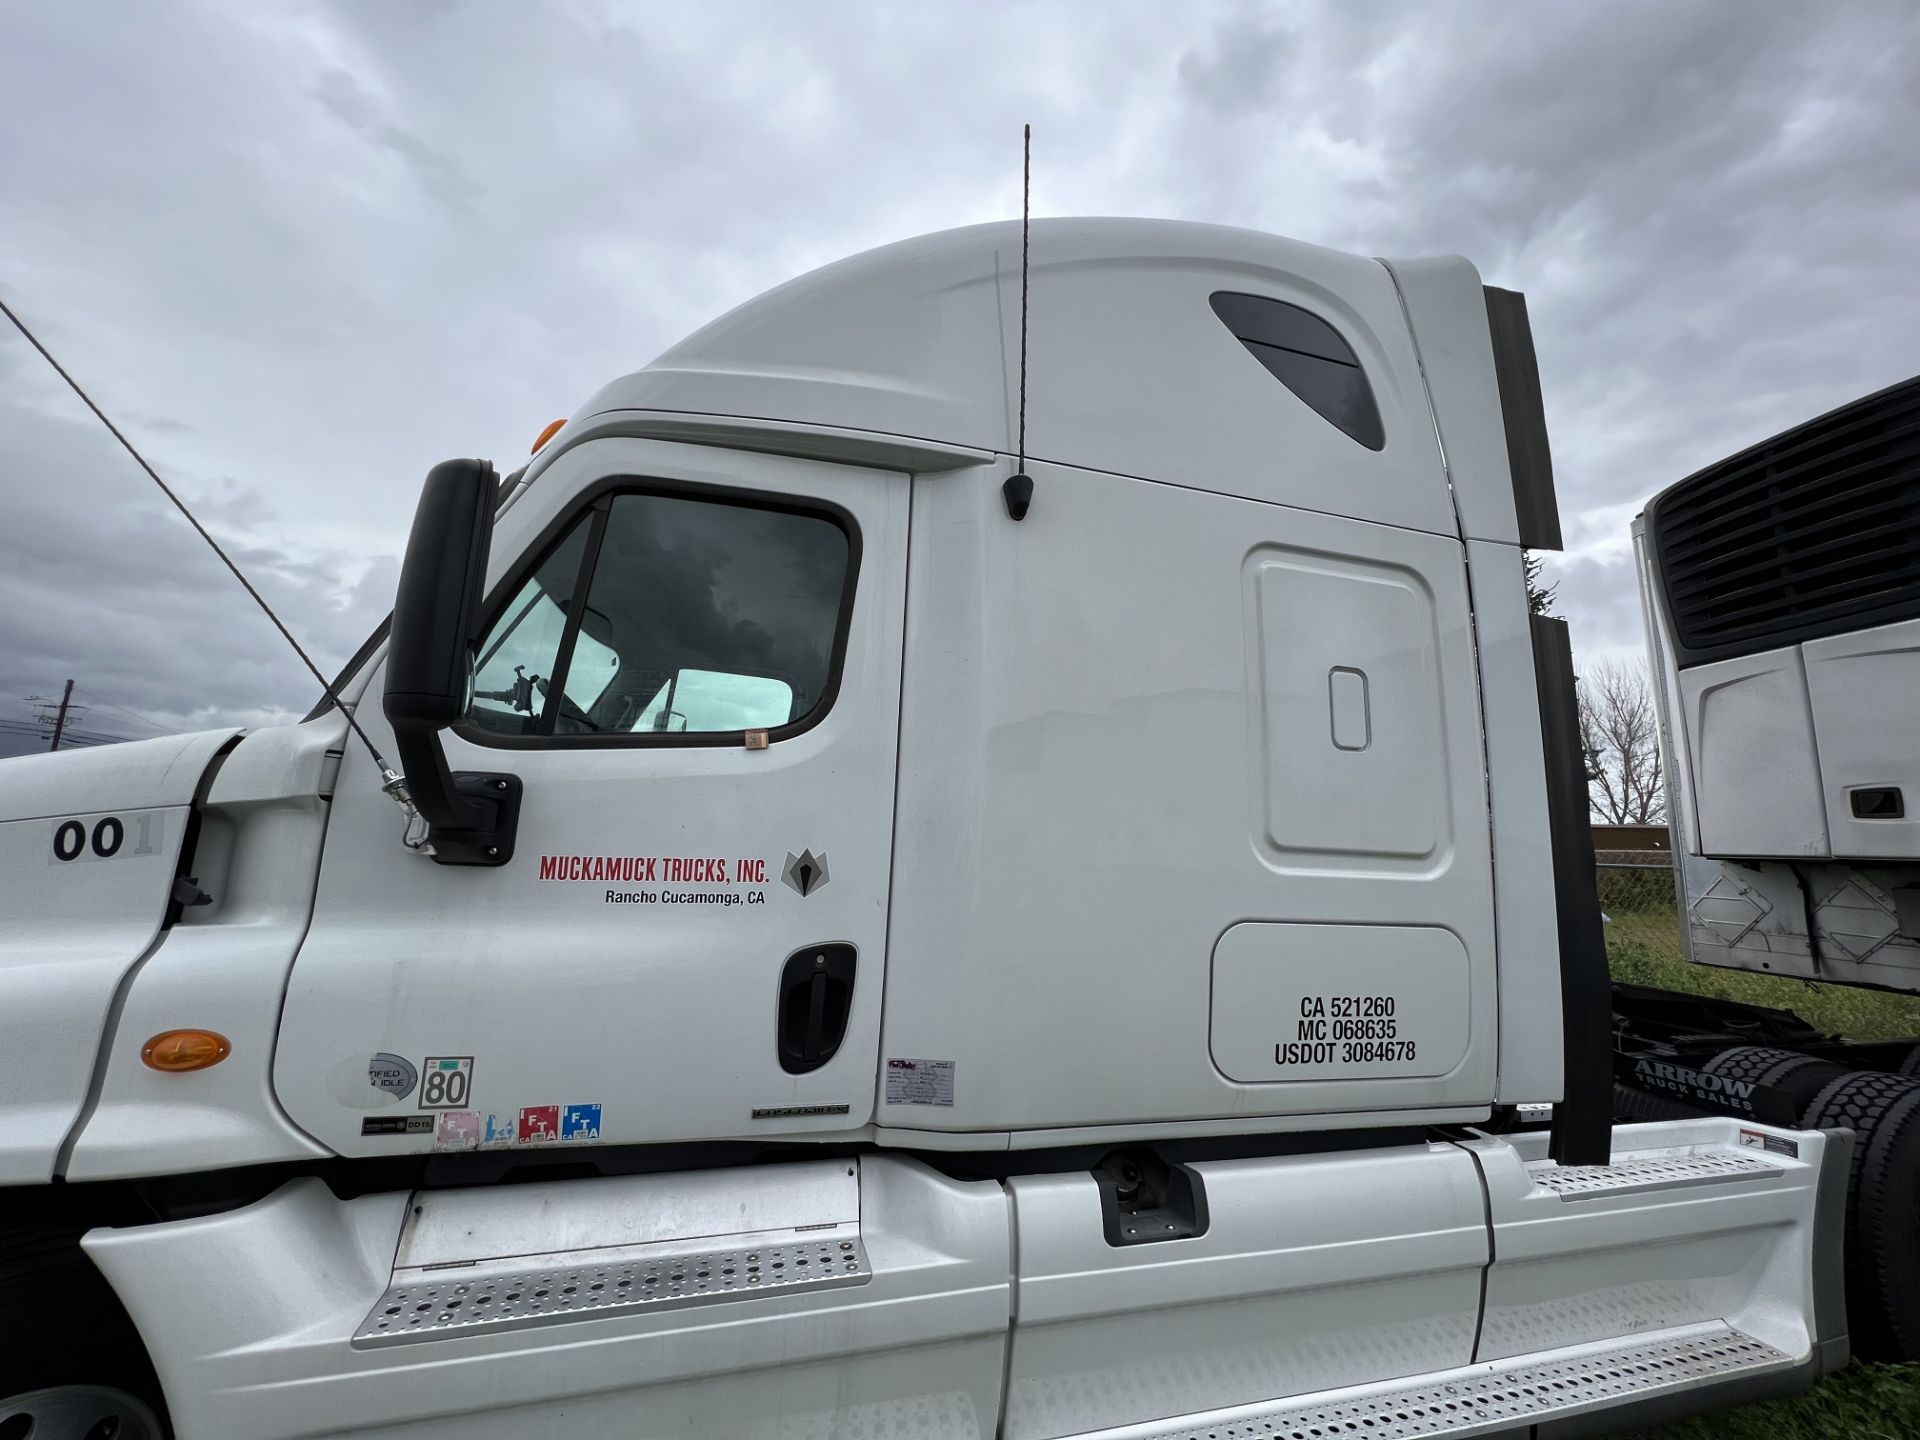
816,997
816,1018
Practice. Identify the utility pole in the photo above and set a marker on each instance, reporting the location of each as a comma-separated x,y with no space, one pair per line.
60,720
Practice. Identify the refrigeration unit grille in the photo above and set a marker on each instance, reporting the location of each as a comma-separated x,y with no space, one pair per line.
1814,532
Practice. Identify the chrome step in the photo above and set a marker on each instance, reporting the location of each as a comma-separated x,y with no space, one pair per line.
440,1303
1638,1173
1527,1390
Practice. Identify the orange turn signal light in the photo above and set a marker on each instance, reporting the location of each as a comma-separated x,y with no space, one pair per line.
546,435
177,1050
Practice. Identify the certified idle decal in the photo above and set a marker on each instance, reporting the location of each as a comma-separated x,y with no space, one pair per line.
393,1073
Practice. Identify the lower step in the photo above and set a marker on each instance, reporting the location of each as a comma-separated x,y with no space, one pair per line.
1482,1399
468,1300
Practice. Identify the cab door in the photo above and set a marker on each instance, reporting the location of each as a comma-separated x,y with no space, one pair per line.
692,662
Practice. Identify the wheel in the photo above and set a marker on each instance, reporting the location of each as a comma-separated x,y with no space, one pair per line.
77,1412
1910,1067
1798,1078
1747,1062
1883,1209
72,1366
1632,1105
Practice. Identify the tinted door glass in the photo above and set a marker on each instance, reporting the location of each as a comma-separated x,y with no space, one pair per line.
701,617
522,649
706,700
723,616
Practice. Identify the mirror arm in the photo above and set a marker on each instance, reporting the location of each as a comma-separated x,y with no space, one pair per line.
472,815
423,760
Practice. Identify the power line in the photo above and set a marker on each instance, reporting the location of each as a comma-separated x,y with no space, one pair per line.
70,737
44,729
100,699
42,701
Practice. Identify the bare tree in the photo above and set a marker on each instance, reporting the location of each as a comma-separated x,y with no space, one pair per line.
1620,733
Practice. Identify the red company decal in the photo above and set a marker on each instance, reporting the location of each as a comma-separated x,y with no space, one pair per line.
654,869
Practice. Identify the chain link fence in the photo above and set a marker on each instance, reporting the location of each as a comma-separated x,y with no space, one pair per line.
1637,897
1644,948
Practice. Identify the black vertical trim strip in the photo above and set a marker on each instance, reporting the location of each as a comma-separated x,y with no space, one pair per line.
1583,1120
1529,458
576,610
1493,1254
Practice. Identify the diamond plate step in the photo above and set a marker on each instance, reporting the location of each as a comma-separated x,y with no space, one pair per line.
1525,1391
441,1304
1633,1174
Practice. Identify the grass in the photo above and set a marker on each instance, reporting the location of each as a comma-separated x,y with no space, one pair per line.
1831,1009
1643,945
1862,1402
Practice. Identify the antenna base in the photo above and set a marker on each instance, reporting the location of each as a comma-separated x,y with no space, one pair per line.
1017,490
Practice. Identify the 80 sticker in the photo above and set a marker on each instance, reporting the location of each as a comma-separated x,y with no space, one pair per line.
445,1082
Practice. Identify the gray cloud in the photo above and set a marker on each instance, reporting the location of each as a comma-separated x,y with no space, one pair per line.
102,581
304,251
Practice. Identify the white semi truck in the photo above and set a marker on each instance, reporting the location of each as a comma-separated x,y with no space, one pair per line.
881,939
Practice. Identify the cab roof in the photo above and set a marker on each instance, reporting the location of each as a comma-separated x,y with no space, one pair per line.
1130,368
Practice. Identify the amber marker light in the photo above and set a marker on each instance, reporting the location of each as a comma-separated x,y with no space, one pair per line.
178,1050
546,435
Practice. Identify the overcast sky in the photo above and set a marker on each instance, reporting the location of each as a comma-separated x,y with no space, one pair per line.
303,251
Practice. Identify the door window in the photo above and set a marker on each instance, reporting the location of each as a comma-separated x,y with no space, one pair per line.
521,653
702,617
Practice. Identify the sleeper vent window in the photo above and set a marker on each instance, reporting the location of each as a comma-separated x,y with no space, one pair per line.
1307,355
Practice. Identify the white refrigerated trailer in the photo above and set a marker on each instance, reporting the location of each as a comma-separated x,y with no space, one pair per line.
1782,594
894,942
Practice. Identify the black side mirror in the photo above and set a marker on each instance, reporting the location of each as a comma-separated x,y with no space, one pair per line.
436,616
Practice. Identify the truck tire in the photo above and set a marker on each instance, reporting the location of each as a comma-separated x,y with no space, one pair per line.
1910,1067
1798,1078
77,1412
1883,1209
72,1366
1632,1105
1748,1062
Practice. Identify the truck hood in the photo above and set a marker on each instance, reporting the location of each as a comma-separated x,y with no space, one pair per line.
90,844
